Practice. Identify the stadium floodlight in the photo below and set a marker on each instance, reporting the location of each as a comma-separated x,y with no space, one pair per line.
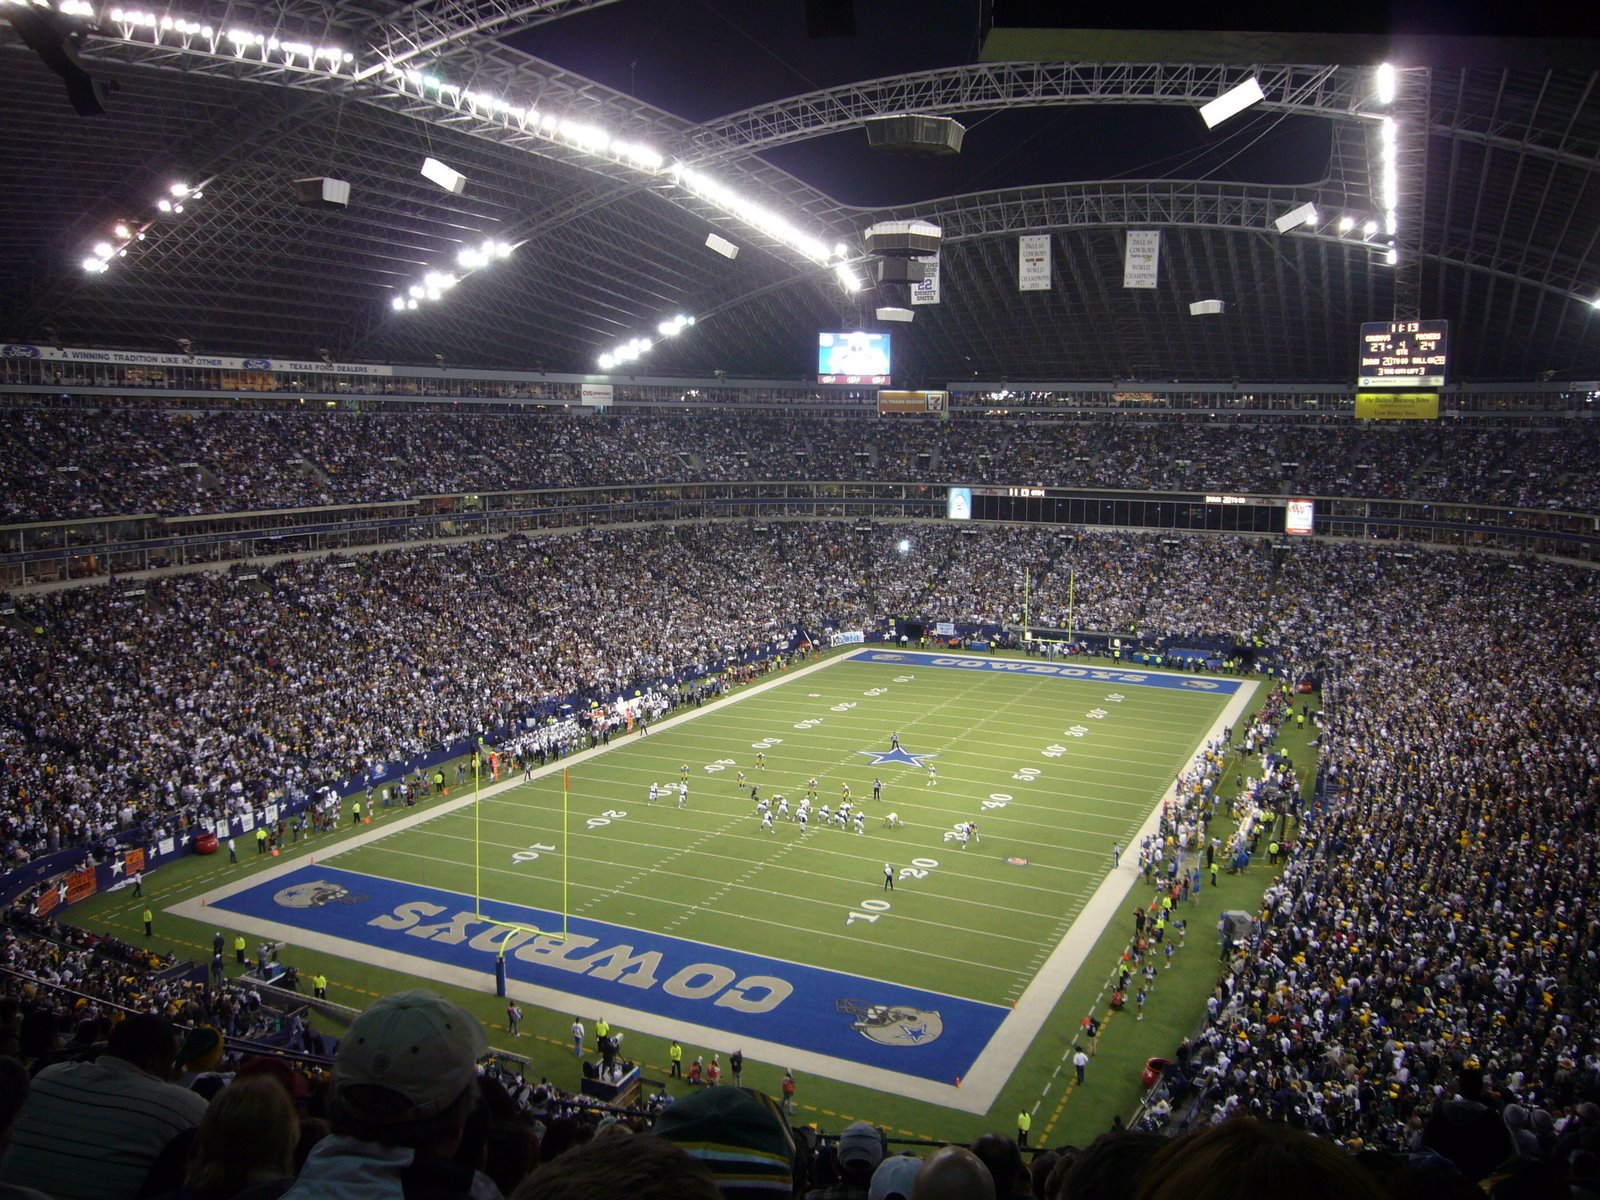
1232,102
450,179
1386,83
179,189
848,279
398,304
607,362
1370,229
1392,257
103,249
722,246
121,231
1306,214
1346,224
164,204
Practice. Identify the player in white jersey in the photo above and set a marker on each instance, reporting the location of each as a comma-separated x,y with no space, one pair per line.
861,823
654,792
683,794
844,821
826,815
966,832
766,822
783,805
762,806
933,775
802,819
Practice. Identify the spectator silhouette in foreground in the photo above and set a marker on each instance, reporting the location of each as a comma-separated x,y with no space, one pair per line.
403,1079
92,1130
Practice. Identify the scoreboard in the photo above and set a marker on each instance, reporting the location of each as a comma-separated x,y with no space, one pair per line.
1403,354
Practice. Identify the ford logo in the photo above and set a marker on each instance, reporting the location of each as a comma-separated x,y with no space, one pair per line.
258,364
23,352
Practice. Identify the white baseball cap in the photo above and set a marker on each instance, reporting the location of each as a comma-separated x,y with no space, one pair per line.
417,1044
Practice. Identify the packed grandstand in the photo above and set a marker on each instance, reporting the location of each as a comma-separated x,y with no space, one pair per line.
297,536
1436,924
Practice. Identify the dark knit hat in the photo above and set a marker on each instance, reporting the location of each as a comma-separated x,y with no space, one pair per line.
201,1050
741,1137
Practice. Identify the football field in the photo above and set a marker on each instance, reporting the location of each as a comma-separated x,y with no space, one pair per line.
697,920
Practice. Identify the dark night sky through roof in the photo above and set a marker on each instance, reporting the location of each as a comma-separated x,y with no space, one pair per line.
700,59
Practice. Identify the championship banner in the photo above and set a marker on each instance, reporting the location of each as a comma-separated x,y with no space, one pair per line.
927,291
1141,260
1397,406
1033,262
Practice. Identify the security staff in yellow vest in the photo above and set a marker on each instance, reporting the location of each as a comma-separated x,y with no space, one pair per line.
675,1053
319,986
1024,1123
238,949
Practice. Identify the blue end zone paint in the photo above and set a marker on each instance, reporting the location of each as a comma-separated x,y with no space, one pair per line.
1027,666
903,1029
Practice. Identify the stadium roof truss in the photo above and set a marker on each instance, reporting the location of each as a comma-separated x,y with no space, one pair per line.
1498,224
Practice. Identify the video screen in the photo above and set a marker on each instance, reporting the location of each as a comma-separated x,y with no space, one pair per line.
1299,517
857,357
959,505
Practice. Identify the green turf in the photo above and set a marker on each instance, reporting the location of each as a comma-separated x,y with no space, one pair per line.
984,727
973,925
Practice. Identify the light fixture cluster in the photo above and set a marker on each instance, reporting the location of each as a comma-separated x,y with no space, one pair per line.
241,43
591,139
126,235
1388,196
638,347
435,284
247,44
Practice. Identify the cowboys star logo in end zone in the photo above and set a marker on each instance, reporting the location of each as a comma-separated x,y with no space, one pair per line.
315,893
893,1024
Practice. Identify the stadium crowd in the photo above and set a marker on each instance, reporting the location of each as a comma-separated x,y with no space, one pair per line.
1425,972
82,462
1428,965
316,670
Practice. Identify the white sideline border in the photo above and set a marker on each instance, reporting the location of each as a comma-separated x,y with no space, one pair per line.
975,1093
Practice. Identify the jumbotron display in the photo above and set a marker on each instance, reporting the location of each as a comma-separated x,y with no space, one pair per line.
1403,354
856,357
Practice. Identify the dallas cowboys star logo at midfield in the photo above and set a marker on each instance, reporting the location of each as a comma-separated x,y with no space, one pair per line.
897,755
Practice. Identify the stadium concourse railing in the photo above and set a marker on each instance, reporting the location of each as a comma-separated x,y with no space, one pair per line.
67,551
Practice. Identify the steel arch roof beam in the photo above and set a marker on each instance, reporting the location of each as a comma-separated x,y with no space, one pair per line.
425,28
1335,92
1230,207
